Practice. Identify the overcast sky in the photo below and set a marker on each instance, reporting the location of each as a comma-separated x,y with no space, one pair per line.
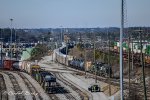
72,13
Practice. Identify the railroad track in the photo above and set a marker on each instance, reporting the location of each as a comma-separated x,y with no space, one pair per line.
82,95
18,91
67,95
3,89
90,75
53,96
65,92
32,90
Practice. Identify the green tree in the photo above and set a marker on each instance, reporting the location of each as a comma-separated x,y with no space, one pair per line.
39,51
97,54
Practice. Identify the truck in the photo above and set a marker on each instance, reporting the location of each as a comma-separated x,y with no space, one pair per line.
94,88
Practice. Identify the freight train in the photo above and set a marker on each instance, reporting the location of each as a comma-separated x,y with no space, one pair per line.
102,69
136,57
77,63
60,57
44,78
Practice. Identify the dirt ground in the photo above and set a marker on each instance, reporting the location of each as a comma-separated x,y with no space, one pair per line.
136,73
113,90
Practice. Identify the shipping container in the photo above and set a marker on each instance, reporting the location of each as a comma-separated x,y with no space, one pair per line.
23,66
27,66
8,64
147,51
115,47
88,65
147,59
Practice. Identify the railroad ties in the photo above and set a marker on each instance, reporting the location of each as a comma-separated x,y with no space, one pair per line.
39,89
83,95
13,91
31,88
16,85
3,96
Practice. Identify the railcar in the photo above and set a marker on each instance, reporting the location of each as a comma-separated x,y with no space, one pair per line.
102,69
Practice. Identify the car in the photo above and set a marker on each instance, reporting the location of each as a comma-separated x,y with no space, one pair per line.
94,88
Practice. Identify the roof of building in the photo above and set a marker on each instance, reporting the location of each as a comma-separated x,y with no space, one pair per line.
26,54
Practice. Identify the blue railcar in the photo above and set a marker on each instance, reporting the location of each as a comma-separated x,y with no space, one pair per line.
82,65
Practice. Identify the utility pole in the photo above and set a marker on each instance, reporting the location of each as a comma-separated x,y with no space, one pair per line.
80,38
1,52
11,39
85,65
109,61
15,36
94,58
143,67
16,47
42,39
1,49
85,59
66,51
60,34
60,41
129,61
66,48
132,55
51,41
59,53
121,51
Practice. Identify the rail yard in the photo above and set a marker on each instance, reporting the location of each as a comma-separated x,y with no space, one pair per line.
56,77
75,50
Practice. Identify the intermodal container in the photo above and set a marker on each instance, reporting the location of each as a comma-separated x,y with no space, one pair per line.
8,64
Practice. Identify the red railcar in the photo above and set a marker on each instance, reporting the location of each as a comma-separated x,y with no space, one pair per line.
8,64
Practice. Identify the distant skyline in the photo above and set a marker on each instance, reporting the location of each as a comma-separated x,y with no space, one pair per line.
72,13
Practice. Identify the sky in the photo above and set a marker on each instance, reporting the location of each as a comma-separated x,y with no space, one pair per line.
72,13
